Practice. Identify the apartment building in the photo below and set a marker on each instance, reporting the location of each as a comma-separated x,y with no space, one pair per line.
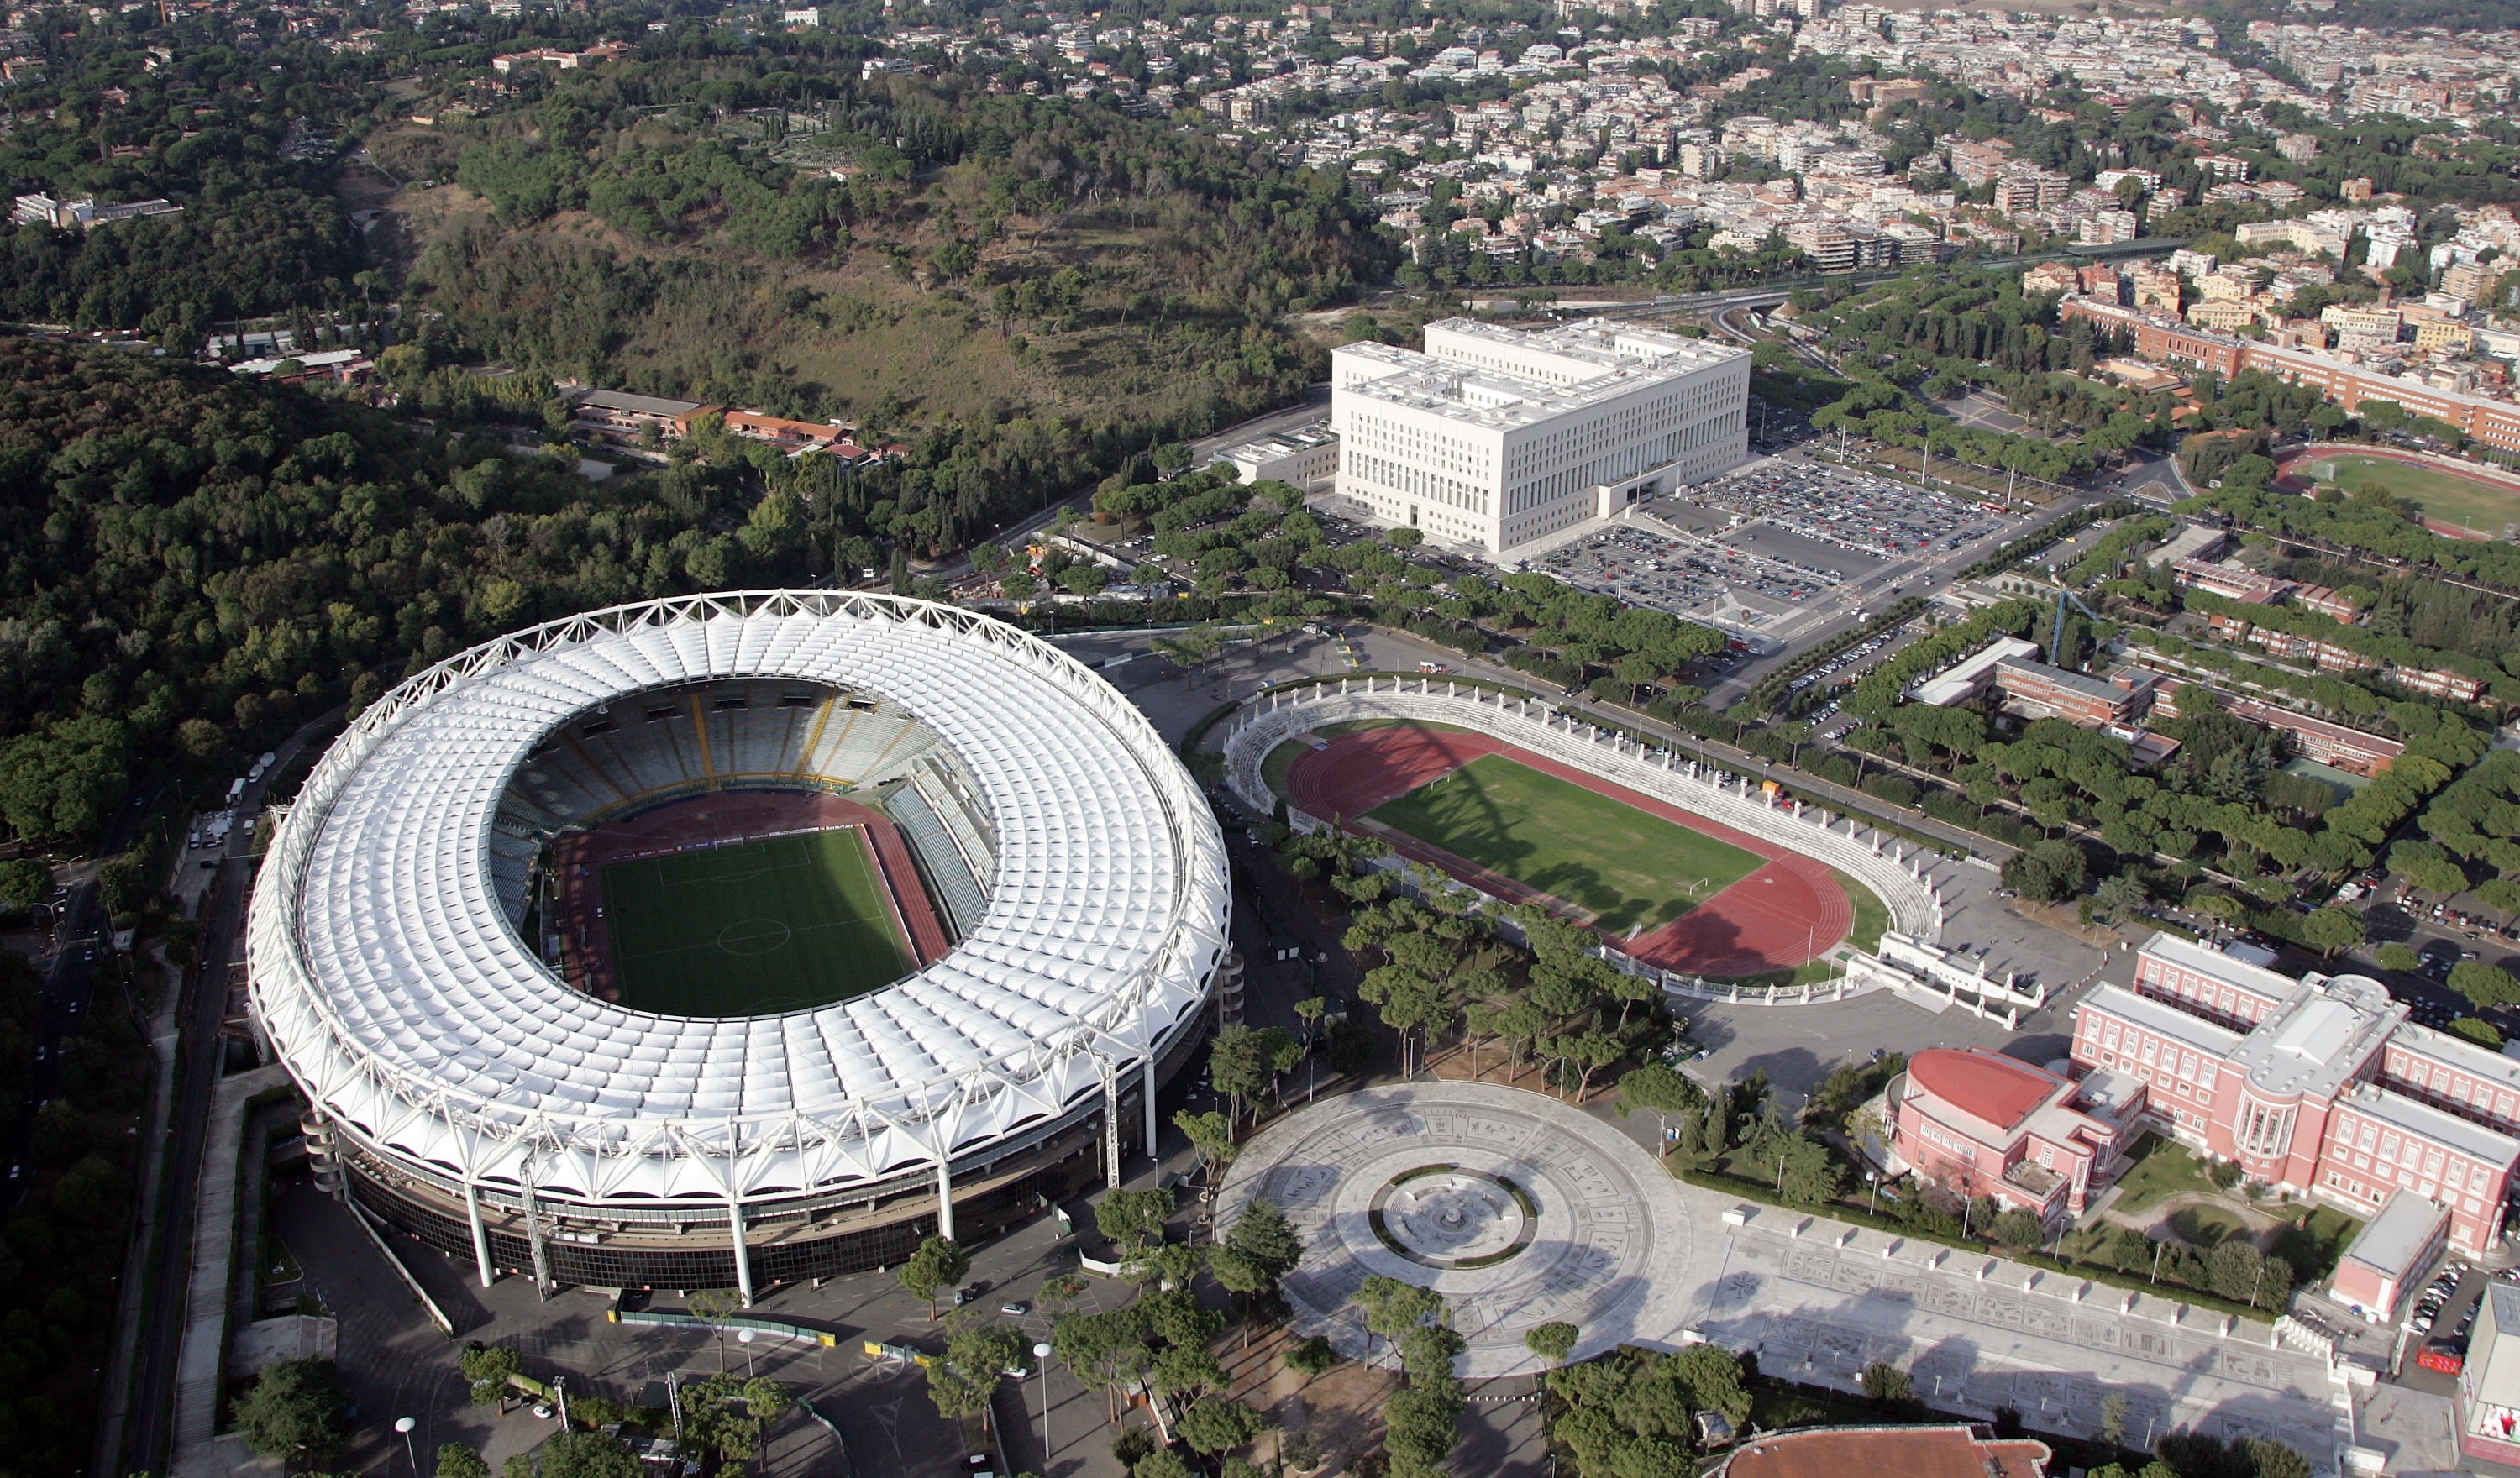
2038,691
2496,422
1494,437
2319,1086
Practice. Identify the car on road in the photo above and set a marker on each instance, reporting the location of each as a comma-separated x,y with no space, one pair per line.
1015,1307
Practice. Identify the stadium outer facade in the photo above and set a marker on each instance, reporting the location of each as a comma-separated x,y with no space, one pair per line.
467,1095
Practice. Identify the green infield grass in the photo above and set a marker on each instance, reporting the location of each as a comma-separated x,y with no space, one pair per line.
1629,868
2469,502
752,929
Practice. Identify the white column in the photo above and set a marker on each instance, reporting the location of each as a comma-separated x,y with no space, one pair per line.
743,1255
944,1196
481,1233
534,1238
1110,1124
1150,1093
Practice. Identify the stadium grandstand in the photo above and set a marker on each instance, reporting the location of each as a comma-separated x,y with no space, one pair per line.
732,940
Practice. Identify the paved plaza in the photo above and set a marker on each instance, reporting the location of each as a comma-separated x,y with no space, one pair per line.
1520,1209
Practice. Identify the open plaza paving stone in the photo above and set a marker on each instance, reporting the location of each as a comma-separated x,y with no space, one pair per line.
1404,1181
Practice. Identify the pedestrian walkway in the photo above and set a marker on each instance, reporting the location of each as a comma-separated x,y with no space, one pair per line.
198,1369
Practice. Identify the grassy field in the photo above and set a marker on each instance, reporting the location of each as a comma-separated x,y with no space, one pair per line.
1628,869
2162,1168
751,928
1871,914
2481,506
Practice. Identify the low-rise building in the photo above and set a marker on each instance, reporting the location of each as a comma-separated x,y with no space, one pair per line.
2487,1405
1302,455
2036,689
2389,1256
1939,1451
1984,1124
1974,673
620,414
2316,738
2320,1087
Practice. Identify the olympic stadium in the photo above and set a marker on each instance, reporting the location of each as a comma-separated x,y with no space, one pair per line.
736,939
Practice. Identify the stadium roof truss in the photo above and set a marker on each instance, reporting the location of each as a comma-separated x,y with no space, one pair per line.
392,984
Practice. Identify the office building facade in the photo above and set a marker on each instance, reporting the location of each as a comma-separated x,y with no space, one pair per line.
1495,437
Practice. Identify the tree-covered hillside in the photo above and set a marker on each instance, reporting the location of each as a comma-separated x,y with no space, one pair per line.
192,559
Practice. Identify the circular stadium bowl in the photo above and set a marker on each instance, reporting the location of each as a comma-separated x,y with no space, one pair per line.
463,1090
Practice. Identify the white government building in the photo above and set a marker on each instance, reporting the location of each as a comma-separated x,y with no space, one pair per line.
1493,437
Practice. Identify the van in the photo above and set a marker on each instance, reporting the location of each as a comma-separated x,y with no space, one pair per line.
236,790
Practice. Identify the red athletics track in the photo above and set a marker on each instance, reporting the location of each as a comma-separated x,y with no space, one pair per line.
721,815
1786,914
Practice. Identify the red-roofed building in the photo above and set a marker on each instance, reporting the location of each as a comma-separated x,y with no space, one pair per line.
1984,1124
1940,1451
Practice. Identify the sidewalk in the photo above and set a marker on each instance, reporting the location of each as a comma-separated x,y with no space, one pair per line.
199,1370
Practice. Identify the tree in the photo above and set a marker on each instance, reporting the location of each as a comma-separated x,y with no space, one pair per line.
1312,1357
1211,1134
586,1454
456,1461
1552,1341
1886,1385
2330,929
2046,872
1214,1424
23,882
938,1264
2483,984
1134,1218
1663,1089
1245,1060
1162,1462
487,1367
1263,1234
2113,1418
963,1380
2395,956
296,1411
2017,1227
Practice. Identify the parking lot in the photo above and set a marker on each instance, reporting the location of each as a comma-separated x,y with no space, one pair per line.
1841,672
1852,511
1647,566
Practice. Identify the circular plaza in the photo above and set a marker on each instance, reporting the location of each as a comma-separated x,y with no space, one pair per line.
1520,1210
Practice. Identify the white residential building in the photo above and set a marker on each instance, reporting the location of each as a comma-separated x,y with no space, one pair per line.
1495,436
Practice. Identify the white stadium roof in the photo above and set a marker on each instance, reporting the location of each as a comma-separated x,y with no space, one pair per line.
391,983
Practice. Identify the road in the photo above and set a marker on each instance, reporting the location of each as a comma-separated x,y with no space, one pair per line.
152,1403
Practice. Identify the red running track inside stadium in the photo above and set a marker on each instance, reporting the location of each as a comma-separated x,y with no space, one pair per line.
724,815
1788,911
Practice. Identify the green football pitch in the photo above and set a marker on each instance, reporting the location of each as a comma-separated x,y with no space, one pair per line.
1629,868
751,928
2470,502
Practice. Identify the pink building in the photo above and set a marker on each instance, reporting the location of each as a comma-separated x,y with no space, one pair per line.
2319,1086
1984,1124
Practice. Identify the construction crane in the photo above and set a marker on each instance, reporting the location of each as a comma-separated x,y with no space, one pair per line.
2056,636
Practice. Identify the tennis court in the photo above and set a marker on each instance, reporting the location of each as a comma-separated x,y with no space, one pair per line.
749,928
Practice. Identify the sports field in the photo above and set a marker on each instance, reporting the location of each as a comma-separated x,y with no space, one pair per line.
1630,869
2470,502
752,928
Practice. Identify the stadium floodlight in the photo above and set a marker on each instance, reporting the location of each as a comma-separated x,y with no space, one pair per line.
480,1101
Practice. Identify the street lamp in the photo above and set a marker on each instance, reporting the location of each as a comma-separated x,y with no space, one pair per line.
1872,1188
744,1337
404,1425
1041,1353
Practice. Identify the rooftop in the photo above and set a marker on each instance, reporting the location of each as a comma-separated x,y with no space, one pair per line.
1948,1451
2404,1230
2188,953
2318,1038
2440,1126
2162,1020
1572,368
1999,1090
